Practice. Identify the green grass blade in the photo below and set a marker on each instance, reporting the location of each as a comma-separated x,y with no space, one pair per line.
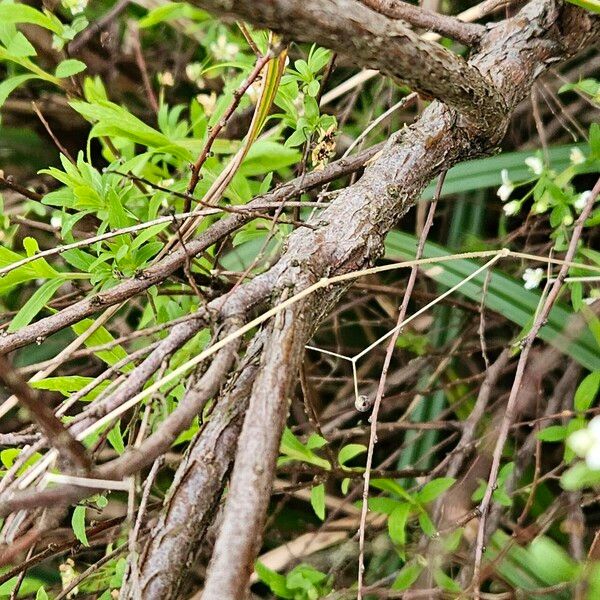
505,296
485,172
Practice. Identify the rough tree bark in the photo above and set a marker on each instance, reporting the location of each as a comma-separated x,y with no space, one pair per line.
511,55
475,101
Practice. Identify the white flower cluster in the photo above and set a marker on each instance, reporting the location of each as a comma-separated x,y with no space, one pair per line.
224,50
576,156
75,6
504,192
194,72
532,278
586,443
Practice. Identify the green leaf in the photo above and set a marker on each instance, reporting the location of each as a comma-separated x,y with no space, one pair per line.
408,574
426,524
595,139
315,441
8,456
293,449
21,13
65,384
12,83
397,524
101,337
383,504
41,594
113,120
78,524
317,500
117,579
350,451
116,438
171,11
69,67
551,562
554,433
101,501
38,269
345,485
19,47
275,581
29,586
452,540
35,304
445,582
393,487
266,156
434,488
587,391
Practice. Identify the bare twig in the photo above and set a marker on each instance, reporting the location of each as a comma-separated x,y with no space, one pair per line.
214,132
382,379
69,448
466,33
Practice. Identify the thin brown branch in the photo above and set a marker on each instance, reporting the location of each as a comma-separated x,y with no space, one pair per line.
39,330
214,131
68,447
468,34
141,63
382,381
87,34
10,183
48,129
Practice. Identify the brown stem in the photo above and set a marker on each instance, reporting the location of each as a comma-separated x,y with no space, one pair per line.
214,132
129,288
68,447
258,449
468,34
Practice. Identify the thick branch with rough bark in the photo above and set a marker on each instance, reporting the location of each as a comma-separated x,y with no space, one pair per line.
345,237
129,288
373,40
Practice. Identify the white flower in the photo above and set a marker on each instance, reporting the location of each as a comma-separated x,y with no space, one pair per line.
512,208
535,164
253,91
532,278
193,71
507,187
224,50
567,220
75,6
594,295
586,443
582,200
208,102
166,79
576,157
